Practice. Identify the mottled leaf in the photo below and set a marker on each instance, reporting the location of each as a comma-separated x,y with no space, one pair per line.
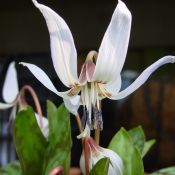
123,145
60,142
138,137
29,142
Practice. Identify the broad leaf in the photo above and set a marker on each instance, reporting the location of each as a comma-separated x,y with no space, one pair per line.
60,142
12,168
122,144
138,137
29,142
147,146
165,171
101,167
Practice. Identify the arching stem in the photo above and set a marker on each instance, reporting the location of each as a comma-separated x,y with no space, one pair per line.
92,54
22,101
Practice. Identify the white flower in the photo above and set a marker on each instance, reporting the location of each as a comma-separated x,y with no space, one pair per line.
100,75
96,153
10,94
10,88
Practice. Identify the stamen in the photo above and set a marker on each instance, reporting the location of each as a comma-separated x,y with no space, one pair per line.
100,120
97,121
95,117
84,117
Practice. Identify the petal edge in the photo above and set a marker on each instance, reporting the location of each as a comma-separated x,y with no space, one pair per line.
143,77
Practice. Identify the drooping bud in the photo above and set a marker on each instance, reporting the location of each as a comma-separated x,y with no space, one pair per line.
94,153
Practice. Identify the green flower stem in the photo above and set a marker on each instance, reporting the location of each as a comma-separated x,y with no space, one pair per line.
80,127
97,136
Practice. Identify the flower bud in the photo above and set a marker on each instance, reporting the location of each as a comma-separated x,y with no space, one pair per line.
94,153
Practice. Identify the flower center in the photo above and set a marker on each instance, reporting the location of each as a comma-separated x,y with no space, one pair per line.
91,92
92,114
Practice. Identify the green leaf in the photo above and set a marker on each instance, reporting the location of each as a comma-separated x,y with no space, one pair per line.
165,171
60,142
122,144
147,146
29,142
101,167
12,168
138,137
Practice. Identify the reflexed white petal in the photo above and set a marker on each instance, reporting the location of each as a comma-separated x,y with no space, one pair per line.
72,104
63,50
6,105
44,79
113,49
45,128
143,77
10,88
85,133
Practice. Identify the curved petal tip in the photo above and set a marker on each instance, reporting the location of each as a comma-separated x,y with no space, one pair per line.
72,104
35,2
143,77
10,88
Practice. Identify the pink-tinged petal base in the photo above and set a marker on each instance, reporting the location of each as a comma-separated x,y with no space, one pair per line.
90,67
87,72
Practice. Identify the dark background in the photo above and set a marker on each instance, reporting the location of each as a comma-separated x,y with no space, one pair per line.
24,37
